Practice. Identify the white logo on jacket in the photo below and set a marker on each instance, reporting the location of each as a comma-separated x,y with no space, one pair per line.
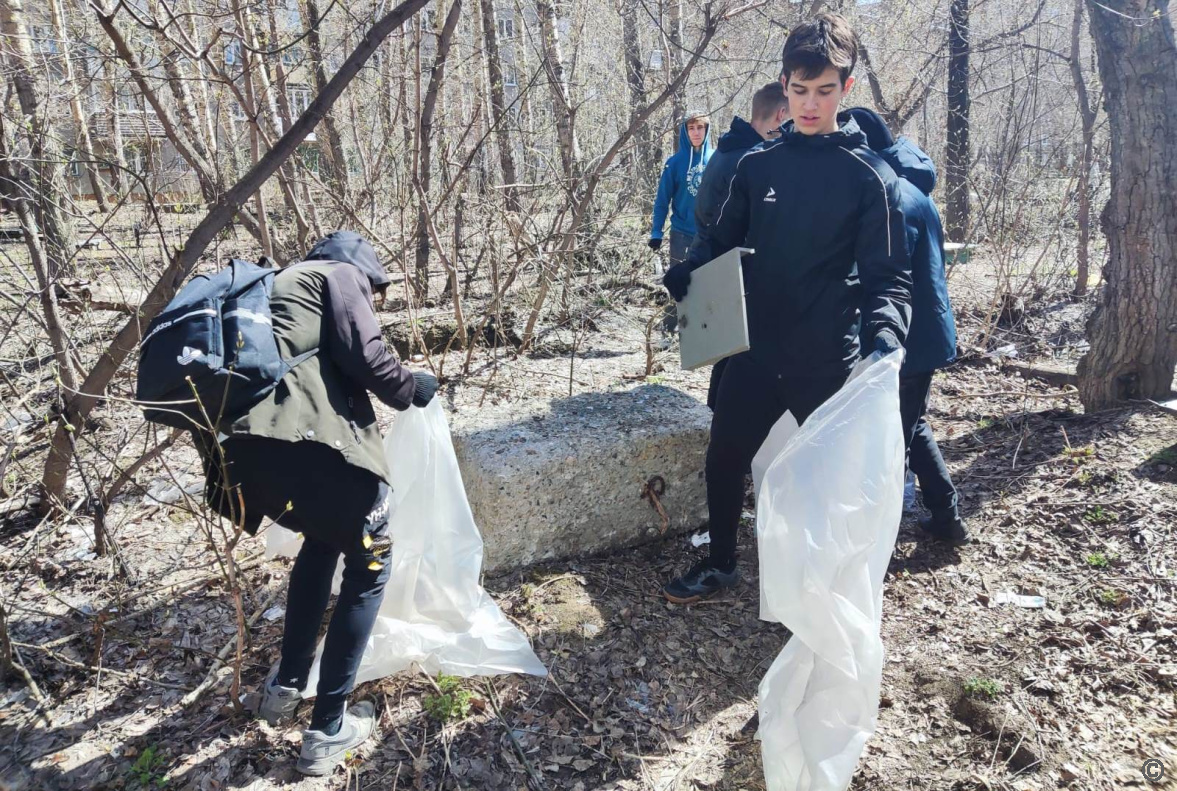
190,355
771,196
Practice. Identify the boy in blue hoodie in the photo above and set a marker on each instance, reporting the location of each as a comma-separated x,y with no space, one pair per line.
679,185
931,340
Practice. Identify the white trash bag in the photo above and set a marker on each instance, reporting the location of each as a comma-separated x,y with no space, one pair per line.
829,501
435,612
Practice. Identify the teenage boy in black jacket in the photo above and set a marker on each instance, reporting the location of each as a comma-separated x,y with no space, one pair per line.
821,211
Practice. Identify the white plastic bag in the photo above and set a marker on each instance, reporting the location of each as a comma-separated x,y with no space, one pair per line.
434,612
828,506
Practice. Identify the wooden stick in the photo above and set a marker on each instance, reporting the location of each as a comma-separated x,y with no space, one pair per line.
211,677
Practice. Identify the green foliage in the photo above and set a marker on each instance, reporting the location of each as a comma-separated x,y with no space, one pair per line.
452,703
1112,598
146,769
656,379
983,688
1098,516
1097,560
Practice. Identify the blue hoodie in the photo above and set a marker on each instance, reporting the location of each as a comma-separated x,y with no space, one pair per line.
680,184
931,341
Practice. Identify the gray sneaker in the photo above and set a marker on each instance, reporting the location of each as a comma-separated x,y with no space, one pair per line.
322,753
278,702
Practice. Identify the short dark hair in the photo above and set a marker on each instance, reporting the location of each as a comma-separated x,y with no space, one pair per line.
825,41
769,99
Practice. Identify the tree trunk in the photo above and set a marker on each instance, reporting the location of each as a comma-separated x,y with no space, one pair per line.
1087,119
1133,332
425,144
562,107
635,78
674,63
22,203
44,153
84,144
333,149
118,169
498,102
956,181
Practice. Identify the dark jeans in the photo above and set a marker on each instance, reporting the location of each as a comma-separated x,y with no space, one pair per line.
749,401
340,510
924,457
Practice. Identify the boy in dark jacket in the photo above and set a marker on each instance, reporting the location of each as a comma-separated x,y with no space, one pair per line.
679,185
821,211
770,110
931,341
311,458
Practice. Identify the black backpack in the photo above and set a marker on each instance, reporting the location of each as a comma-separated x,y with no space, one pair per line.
211,354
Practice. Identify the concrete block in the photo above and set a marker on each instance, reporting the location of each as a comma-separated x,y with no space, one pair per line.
566,478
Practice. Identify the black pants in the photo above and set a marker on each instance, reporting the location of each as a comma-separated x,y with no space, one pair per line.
749,401
924,457
340,510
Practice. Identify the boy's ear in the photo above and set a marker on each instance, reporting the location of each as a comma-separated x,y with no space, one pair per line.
785,80
847,86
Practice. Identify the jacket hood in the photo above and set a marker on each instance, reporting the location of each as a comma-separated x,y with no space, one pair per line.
686,149
740,137
350,248
847,135
904,156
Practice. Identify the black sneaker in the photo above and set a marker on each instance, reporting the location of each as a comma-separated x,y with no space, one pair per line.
948,528
702,581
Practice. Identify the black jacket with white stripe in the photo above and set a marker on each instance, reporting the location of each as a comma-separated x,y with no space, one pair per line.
822,214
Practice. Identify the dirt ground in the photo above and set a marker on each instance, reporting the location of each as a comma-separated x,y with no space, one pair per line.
978,693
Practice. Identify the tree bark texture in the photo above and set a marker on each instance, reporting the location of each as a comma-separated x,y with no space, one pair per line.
498,102
45,157
956,176
1133,332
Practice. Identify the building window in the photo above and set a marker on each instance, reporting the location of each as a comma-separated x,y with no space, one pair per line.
506,28
300,100
44,42
233,53
133,156
292,57
656,59
510,77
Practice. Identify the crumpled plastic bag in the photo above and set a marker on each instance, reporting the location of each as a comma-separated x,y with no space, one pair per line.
828,506
434,613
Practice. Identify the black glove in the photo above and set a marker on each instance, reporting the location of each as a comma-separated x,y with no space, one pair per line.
426,387
655,244
886,342
676,280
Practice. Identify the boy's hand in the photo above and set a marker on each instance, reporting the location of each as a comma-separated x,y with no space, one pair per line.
426,388
886,342
676,280
655,244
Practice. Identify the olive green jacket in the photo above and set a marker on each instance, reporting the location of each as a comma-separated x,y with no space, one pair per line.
327,305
